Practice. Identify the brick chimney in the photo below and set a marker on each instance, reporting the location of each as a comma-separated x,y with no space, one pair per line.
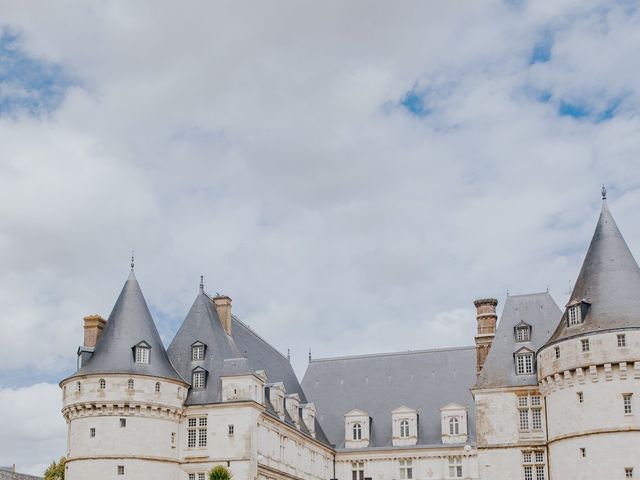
487,318
93,327
223,309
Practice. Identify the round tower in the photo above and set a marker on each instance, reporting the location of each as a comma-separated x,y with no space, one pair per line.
123,405
589,370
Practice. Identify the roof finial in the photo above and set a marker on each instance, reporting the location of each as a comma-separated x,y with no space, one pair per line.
133,256
604,192
309,354
289,354
202,283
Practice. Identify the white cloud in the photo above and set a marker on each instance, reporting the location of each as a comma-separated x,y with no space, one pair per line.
32,423
263,146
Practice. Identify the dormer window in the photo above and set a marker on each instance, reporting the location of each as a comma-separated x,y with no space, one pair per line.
404,429
142,352
197,351
357,431
198,378
523,332
524,362
574,316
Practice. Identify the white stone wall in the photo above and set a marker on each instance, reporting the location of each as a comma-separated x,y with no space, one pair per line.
427,463
598,424
149,441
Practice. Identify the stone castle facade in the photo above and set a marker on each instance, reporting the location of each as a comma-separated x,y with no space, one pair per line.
544,394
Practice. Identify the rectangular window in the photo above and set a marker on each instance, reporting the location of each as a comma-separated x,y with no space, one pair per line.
524,363
528,472
626,398
530,413
522,334
357,470
557,352
142,355
201,476
455,467
198,379
197,432
622,340
536,419
121,467
92,432
574,315
628,472
585,344
583,452
197,352
406,469
123,422
524,419
533,465
192,476
231,430
580,397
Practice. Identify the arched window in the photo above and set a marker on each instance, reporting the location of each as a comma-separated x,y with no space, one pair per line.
102,384
142,352
78,387
157,387
130,384
357,431
404,429
454,426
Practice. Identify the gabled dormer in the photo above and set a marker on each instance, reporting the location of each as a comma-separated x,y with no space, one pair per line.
277,392
198,351
357,428
453,418
522,332
576,312
404,426
198,378
141,352
523,360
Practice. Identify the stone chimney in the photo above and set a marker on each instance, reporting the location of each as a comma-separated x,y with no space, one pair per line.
487,318
223,309
93,327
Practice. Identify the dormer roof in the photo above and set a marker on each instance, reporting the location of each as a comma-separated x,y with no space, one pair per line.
129,325
608,284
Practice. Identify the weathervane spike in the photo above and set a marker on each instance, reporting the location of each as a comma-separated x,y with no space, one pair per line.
604,192
202,283
133,256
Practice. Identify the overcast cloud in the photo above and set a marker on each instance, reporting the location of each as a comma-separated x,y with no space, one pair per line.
353,174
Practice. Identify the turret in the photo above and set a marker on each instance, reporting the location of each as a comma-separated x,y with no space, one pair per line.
125,390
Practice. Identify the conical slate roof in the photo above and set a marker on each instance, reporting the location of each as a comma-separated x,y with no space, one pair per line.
129,324
609,284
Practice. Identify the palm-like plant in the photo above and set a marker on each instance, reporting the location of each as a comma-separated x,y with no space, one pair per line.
220,473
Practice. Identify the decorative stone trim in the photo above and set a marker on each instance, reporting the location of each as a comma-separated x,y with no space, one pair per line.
142,410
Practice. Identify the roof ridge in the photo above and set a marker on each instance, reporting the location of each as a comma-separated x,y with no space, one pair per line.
390,354
546,292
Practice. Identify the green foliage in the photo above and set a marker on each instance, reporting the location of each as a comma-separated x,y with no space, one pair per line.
220,473
55,470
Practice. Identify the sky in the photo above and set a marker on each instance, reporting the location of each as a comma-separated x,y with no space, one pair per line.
353,174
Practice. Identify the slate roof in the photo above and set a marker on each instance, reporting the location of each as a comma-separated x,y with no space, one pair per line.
541,313
426,380
130,323
609,282
243,351
6,474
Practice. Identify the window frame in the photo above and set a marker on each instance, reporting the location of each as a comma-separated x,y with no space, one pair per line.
199,348
199,379
455,466
404,428
454,426
406,469
621,340
357,470
524,363
585,345
627,402
197,431
356,431
574,315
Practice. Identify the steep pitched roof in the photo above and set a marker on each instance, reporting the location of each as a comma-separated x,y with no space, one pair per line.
130,323
203,324
609,283
537,310
425,380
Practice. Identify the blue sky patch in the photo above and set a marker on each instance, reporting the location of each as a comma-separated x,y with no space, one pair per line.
27,83
575,110
541,52
414,102
581,110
